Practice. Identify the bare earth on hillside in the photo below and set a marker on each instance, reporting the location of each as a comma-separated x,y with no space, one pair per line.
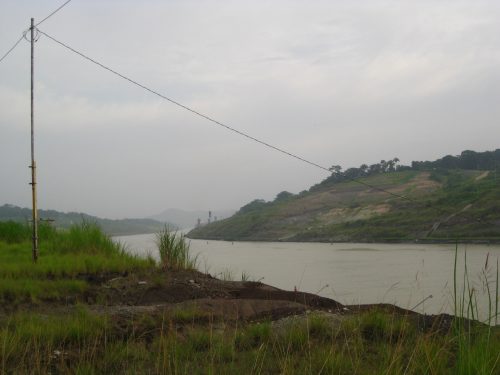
482,175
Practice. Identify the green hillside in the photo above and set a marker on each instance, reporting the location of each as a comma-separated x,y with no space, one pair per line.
66,220
442,205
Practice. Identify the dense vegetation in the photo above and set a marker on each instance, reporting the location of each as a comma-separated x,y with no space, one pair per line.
442,204
471,160
66,220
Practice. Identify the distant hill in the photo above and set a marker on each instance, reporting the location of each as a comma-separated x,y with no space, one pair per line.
65,220
455,197
188,219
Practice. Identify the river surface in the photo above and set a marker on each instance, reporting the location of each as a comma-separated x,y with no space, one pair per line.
403,274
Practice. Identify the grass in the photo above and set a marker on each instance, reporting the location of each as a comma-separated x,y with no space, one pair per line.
26,289
66,259
174,250
373,342
476,354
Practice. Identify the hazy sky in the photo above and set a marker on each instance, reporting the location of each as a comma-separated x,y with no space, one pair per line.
337,82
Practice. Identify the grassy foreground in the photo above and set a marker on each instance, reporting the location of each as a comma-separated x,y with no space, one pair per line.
43,330
369,343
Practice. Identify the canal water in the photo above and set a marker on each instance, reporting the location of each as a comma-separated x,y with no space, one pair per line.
414,276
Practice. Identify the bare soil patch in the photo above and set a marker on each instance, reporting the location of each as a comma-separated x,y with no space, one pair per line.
194,296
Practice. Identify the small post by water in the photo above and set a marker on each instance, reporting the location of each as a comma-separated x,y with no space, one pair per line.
33,162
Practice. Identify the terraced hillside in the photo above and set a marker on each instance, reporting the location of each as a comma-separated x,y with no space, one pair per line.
441,205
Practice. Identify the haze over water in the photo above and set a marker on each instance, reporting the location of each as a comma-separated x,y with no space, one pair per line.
402,274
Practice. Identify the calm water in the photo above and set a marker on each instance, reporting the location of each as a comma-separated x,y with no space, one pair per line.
349,273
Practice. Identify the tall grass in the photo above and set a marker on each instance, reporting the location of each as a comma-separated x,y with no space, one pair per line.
174,250
477,351
84,248
66,259
372,342
14,232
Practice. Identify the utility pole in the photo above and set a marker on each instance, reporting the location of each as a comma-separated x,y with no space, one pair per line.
33,162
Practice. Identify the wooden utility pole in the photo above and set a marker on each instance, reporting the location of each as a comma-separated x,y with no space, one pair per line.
33,162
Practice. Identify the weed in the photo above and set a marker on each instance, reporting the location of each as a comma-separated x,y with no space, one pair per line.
174,250
477,350
226,275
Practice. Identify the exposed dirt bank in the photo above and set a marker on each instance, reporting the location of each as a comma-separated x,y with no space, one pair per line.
194,296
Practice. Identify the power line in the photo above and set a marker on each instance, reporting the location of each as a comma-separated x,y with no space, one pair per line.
54,12
181,105
208,118
24,33
12,48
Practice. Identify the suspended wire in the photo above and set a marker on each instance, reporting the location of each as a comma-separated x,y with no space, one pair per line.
12,48
266,144
208,118
54,12
26,31
197,113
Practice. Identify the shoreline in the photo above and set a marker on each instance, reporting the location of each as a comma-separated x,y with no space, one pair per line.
491,241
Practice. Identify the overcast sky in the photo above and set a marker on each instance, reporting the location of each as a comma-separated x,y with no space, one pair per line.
337,82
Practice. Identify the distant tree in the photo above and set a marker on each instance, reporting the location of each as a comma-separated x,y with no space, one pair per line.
396,162
374,169
468,159
391,165
283,196
447,162
383,166
352,173
253,206
363,168
335,169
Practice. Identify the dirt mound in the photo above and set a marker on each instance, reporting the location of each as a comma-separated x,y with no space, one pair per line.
188,296
170,291
177,286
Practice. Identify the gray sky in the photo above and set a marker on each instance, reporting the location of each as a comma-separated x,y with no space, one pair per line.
337,82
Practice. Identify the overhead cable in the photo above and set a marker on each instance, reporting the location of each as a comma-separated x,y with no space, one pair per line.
54,12
24,33
12,48
208,118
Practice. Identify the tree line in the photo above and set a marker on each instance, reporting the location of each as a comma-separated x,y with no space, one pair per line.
488,160
472,160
